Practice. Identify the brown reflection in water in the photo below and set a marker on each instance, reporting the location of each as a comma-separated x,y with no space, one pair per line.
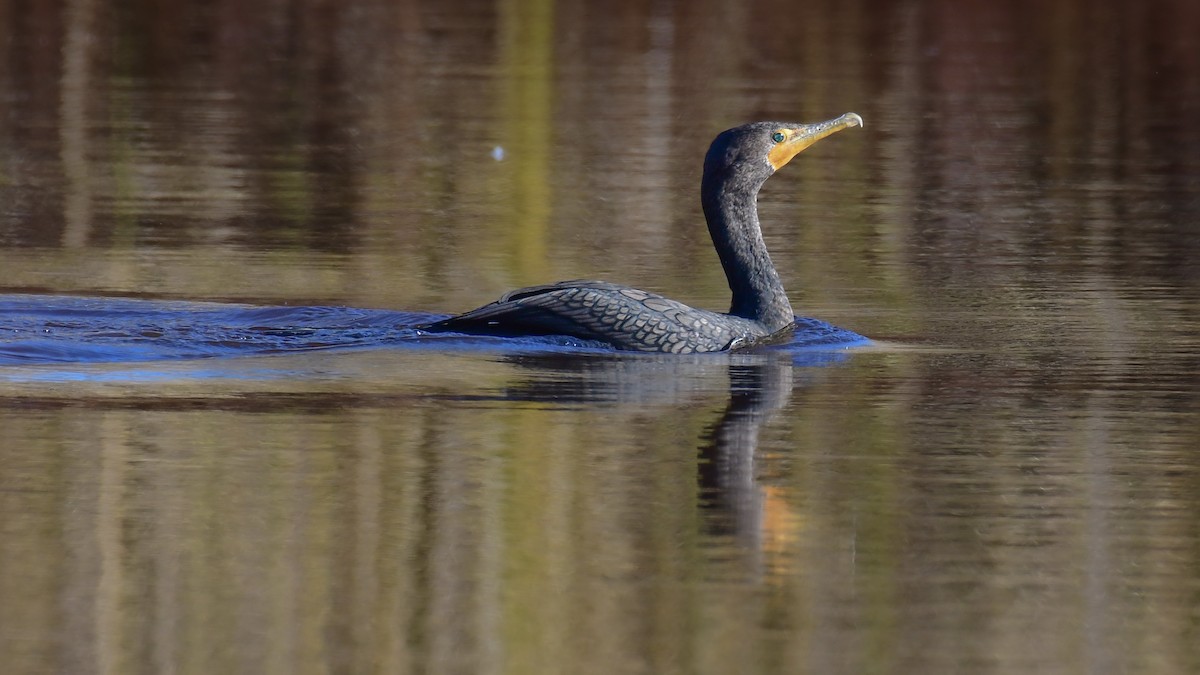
369,127
282,533
911,510
1026,186
1043,144
73,123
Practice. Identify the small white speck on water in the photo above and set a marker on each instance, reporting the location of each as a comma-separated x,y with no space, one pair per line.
498,153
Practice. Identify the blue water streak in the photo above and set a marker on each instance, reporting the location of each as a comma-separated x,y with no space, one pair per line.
45,329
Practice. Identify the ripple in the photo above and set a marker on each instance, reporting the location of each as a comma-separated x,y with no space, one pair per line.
36,329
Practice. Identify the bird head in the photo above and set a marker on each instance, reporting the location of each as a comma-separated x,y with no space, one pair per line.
759,149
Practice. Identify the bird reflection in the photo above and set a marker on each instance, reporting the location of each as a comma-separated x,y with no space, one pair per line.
729,488
731,497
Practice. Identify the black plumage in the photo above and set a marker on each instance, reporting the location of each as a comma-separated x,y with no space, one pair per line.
739,161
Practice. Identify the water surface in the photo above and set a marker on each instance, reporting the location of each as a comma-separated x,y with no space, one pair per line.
1006,480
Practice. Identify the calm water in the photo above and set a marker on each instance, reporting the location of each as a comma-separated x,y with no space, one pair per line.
1006,480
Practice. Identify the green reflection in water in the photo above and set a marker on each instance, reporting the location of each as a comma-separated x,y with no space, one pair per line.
527,67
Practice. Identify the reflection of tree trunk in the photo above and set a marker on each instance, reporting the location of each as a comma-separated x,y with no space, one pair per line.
727,457
77,209
527,61
113,556
95,556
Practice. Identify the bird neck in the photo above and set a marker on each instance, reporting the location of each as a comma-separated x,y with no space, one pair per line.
731,209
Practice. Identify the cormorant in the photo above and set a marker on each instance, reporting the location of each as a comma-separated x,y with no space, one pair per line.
739,161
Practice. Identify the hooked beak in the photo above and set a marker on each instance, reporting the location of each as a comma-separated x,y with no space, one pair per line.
800,137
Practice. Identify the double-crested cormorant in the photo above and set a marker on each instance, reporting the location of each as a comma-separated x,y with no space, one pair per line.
739,161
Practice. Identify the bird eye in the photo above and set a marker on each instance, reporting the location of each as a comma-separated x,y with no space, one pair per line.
778,137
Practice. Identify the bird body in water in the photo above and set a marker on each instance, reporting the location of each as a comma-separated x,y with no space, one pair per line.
739,161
